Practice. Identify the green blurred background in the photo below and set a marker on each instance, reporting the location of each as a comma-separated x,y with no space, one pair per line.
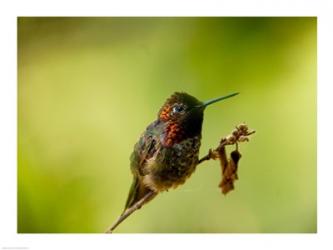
88,87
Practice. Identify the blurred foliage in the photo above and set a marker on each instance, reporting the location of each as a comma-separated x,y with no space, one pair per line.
88,87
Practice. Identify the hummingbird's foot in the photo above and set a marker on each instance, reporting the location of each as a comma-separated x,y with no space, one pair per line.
212,155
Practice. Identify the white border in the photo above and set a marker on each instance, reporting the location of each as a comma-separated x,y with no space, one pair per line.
8,236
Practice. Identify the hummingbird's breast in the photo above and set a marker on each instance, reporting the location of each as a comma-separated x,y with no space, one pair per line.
172,165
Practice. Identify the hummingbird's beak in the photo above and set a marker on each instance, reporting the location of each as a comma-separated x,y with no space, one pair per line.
209,102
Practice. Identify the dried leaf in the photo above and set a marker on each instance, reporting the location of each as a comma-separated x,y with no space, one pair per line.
229,172
229,165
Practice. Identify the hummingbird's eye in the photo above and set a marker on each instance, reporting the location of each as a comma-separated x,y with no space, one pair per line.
178,109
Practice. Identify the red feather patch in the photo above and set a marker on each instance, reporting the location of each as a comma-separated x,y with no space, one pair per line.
165,113
174,134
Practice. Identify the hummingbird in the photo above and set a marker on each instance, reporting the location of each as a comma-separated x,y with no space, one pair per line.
167,152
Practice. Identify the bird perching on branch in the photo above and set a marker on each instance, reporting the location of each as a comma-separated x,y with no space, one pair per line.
167,152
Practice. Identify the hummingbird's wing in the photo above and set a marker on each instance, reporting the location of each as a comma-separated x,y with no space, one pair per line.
144,150
139,194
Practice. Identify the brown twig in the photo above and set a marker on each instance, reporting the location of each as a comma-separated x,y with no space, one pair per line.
229,166
239,134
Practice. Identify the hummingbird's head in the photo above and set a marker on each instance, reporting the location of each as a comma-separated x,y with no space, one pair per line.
187,111
178,107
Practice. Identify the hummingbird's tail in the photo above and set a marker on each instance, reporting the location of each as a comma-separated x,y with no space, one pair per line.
136,192
138,196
